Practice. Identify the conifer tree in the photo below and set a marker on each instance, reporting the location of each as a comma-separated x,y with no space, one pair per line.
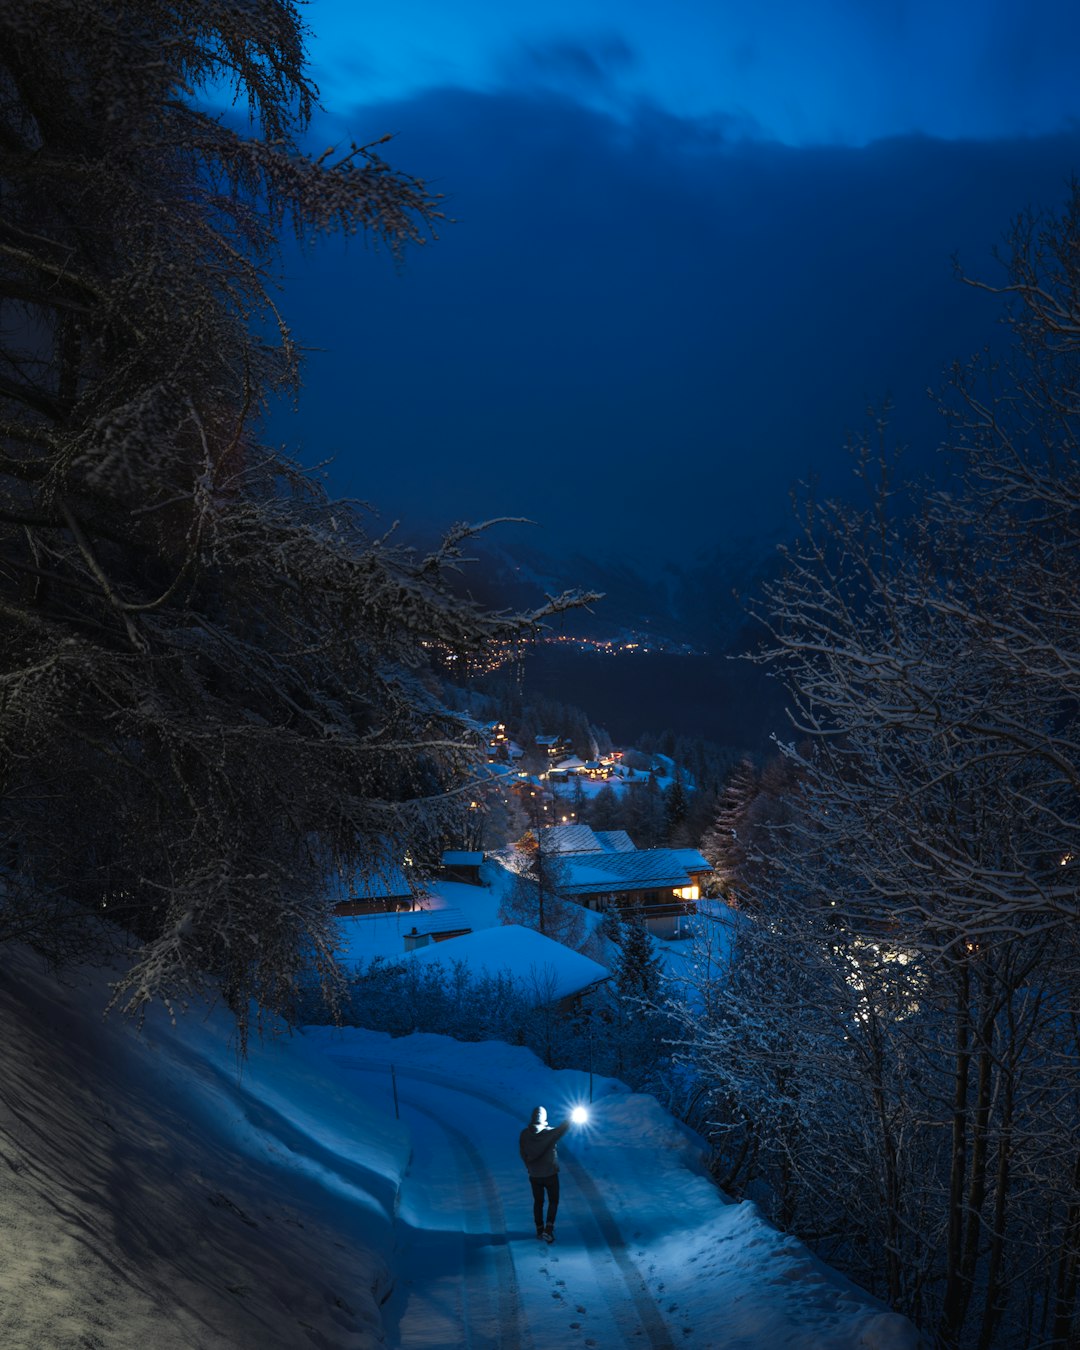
211,692
676,809
638,973
605,811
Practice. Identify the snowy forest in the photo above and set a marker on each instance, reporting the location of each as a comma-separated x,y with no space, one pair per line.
219,696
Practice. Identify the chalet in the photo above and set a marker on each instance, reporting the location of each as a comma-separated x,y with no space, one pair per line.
496,732
601,870
498,744
555,747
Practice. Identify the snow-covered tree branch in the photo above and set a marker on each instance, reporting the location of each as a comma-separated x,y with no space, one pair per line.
213,692
891,1058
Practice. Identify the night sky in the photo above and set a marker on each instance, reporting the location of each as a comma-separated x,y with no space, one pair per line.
691,246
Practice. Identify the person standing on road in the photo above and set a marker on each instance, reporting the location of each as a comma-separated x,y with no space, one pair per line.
539,1152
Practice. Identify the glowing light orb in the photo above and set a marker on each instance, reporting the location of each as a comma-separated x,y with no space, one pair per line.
579,1115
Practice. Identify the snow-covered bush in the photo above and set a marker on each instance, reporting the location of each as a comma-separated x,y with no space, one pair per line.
401,997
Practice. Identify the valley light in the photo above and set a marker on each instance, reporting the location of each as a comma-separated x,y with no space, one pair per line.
579,1115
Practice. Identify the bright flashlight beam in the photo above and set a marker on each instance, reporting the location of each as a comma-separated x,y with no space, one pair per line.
579,1115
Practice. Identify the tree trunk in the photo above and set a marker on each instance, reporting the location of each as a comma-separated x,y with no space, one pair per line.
953,1304
891,1171
995,1299
1068,1272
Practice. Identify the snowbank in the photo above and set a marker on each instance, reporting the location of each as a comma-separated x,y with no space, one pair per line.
153,1198
156,1196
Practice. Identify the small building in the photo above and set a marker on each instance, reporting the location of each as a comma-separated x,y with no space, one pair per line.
462,865
365,937
433,925
384,889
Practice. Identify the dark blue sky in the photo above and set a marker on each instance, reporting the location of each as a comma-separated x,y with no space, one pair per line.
689,249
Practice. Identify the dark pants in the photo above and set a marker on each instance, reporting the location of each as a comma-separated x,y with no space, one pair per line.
539,1186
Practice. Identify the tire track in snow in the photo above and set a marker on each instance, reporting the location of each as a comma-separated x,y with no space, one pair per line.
644,1306
647,1312
482,1194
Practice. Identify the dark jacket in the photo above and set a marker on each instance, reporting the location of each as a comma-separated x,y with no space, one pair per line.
537,1146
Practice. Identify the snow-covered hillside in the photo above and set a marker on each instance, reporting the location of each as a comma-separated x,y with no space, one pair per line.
155,1195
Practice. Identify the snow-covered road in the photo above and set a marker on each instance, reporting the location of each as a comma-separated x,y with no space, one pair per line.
648,1253
455,1280
160,1193
469,1275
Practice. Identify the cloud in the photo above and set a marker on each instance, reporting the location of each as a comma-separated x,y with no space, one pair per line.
643,328
574,62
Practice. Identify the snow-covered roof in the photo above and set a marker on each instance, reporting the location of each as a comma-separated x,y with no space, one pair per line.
460,858
542,968
615,841
366,936
692,860
496,770
584,839
381,880
569,839
639,869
